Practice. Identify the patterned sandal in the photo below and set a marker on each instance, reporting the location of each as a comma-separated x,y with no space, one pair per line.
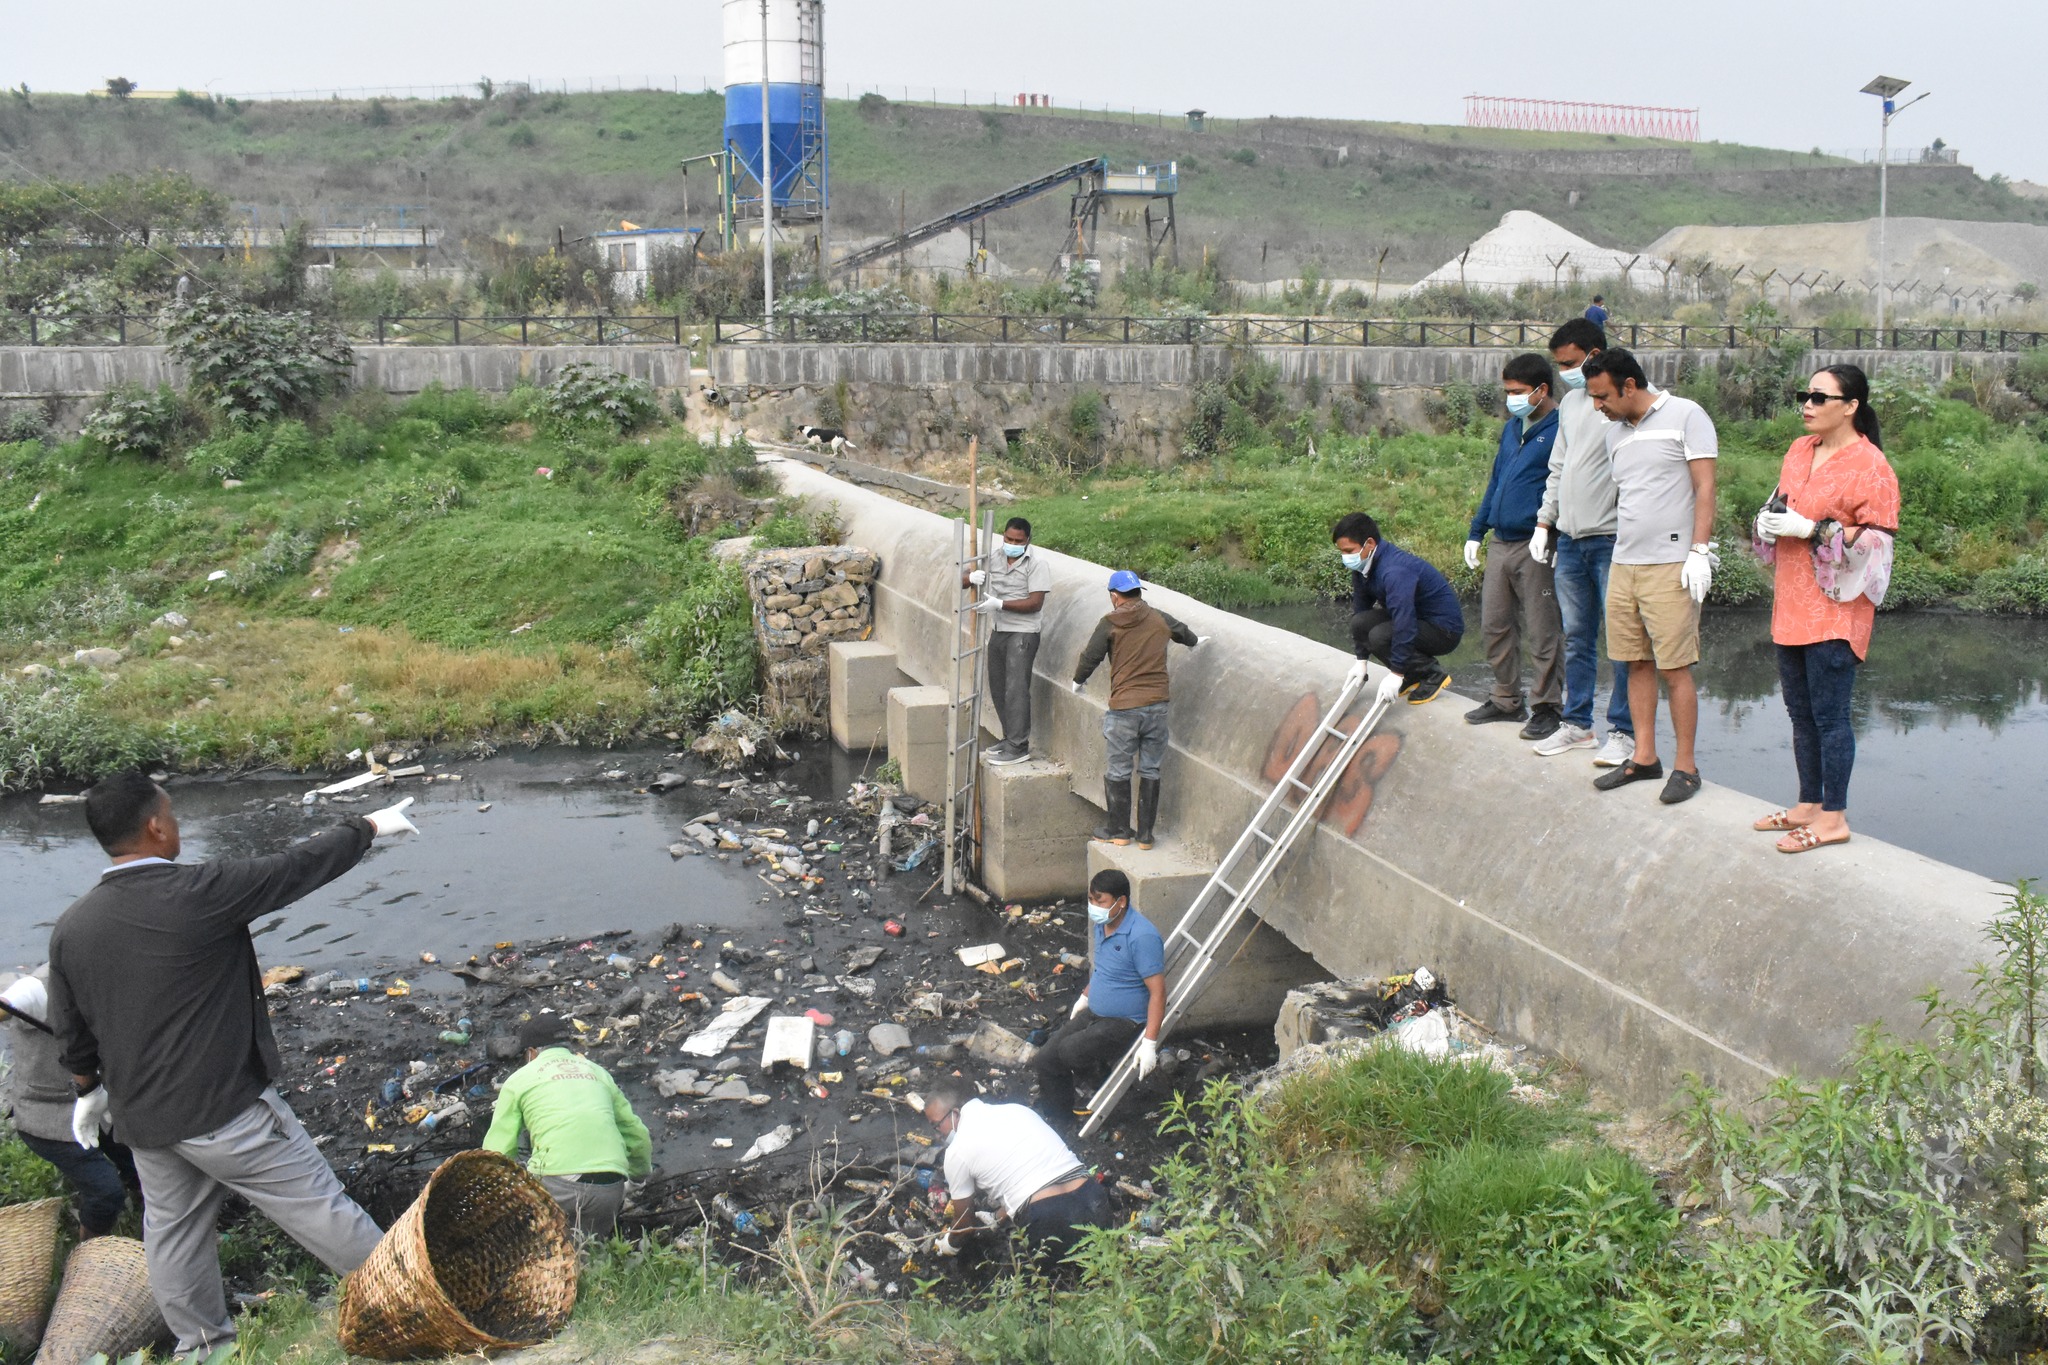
1778,822
1804,840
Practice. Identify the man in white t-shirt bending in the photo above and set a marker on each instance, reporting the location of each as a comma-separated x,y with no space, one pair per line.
1011,1155
1663,449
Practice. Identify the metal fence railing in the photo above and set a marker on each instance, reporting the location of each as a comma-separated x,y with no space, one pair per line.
21,329
1276,331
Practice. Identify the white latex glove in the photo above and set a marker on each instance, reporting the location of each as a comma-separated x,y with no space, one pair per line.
1761,534
977,578
1787,524
1355,674
391,820
1079,1005
988,606
1203,639
946,1246
88,1116
1471,554
30,996
1390,689
1148,1056
1539,545
1078,687
1698,573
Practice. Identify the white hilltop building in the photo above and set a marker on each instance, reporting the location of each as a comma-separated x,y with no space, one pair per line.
1527,248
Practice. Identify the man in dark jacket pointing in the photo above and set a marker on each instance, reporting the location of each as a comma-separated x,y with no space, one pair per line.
157,1002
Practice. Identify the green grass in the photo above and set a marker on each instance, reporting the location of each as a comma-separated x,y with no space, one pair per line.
518,167
399,573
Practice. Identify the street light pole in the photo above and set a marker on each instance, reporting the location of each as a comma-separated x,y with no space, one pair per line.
1887,89
767,189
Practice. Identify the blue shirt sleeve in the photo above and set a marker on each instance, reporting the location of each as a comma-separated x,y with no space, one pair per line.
1148,954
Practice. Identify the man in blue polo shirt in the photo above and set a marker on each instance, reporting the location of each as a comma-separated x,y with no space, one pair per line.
1125,1000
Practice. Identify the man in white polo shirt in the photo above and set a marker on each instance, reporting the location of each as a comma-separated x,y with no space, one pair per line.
1013,591
1663,449
1011,1155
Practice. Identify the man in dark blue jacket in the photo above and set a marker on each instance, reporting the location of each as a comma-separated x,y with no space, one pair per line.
1403,610
1518,595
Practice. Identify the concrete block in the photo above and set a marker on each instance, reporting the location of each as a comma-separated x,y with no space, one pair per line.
1256,966
917,738
1034,831
861,674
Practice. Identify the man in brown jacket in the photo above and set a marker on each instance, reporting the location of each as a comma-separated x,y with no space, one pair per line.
1134,637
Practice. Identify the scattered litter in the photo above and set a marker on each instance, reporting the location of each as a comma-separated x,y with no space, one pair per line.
909,861
55,799
738,1013
892,929
996,1045
888,1039
283,976
770,1143
980,953
1428,1034
859,986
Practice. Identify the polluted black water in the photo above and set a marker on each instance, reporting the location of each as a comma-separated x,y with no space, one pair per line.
643,897
1951,717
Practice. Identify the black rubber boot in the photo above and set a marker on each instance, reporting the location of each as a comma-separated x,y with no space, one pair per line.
1115,827
1148,809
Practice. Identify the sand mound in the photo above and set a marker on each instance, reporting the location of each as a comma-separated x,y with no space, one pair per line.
1938,252
1528,248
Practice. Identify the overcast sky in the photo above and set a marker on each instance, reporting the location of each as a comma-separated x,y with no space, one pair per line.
1781,73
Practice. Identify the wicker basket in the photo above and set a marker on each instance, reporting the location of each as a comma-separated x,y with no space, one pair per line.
481,1261
28,1261
104,1306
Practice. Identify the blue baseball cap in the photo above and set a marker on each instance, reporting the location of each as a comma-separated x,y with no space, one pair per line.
1123,580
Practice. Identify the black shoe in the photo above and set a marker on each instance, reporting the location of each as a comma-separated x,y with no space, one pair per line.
1628,772
1426,688
1490,710
1544,718
1682,786
1008,752
1148,809
1115,827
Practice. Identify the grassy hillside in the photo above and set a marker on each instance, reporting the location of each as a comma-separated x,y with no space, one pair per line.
521,166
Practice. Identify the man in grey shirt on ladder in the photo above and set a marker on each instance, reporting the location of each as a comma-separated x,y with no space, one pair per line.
1013,590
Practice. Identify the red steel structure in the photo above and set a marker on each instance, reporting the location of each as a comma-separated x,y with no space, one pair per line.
1569,116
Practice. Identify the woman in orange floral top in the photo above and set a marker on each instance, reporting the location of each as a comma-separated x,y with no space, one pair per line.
1835,473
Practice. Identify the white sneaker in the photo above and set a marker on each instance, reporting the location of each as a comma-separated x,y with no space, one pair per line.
1565,738
1618,749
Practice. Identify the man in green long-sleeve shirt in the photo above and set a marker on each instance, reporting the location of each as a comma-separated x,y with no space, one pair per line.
587,1141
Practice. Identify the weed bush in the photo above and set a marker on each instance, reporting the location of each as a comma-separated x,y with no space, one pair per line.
700,643
2021,586
132,420
252,366
586,396
51,728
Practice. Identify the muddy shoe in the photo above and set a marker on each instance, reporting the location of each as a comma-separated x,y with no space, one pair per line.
1543,721
1490,711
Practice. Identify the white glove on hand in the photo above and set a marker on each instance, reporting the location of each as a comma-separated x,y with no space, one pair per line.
88,1115
946,1246
988,606
391,820
1774,525
1471,554
977,578
1761,534
1078,687
1698,573
1355,674
1539,545
1148,1056
1203,639
1079,1005
1390,689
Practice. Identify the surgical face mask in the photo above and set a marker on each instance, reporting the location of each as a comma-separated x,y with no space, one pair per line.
1521,404
1099,914
1353,562
1574,378
1014,551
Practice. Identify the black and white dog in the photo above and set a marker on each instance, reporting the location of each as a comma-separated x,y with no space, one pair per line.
818,438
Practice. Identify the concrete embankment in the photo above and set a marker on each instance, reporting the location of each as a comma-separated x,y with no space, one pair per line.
1639,941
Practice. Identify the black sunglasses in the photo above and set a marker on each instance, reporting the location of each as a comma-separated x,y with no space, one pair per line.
1816,396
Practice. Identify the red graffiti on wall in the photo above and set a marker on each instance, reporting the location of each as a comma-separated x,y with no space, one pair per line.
1352,796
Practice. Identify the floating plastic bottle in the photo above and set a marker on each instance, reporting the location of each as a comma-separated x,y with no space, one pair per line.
454,1116
741,1221
844,1041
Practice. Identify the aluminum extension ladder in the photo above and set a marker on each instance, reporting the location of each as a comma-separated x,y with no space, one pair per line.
970,643
1191,949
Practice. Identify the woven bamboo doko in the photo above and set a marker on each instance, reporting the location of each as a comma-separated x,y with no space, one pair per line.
105,1305
482,1260
28,1259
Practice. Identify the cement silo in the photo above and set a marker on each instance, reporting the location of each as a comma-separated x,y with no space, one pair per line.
791,61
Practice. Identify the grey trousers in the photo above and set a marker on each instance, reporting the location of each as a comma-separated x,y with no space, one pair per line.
1136,735
1010,656
593,1210
264,1155
1517,606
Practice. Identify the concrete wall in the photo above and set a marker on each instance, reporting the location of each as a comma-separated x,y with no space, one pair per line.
1637,940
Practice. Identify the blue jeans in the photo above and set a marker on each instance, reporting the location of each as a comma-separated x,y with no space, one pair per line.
1582,563
102,1176
1135,733
1818,680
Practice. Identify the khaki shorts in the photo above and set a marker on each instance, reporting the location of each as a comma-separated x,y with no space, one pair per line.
1650,616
